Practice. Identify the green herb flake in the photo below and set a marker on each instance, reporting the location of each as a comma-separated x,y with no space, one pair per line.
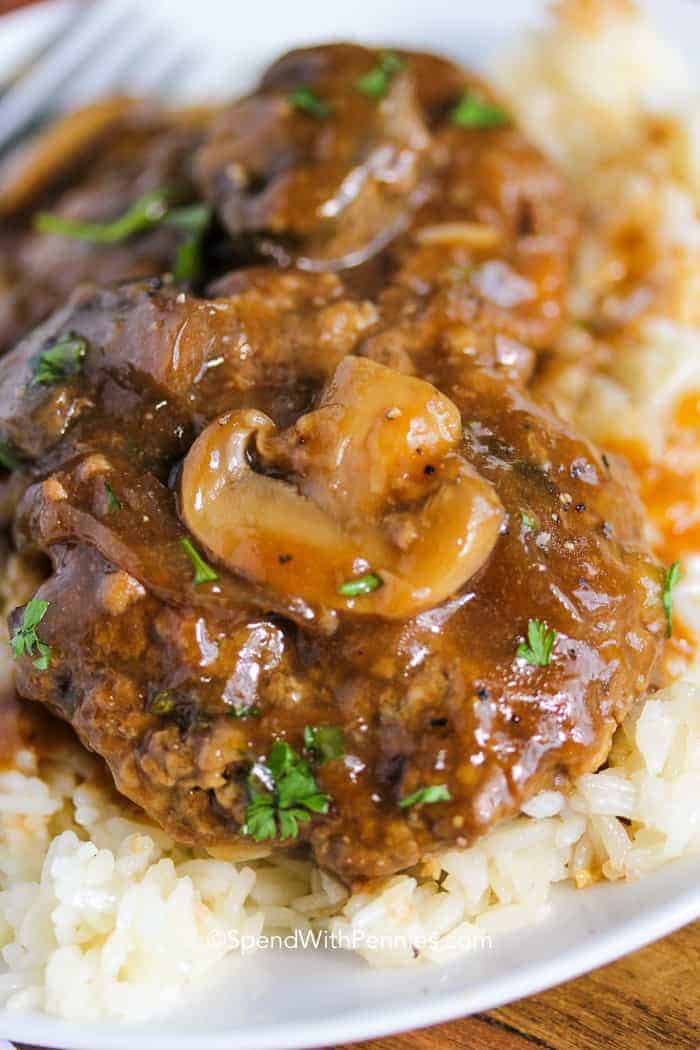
146,212
162,703
260,820
244,711
528,521
114,504
288,797
61,362
376,82
362,585
305,99
203,573
473,112
671,579
540,642
26,640
425,795
150,210
9,457
325,742
194,220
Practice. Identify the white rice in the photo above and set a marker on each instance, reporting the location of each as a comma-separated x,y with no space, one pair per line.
102,915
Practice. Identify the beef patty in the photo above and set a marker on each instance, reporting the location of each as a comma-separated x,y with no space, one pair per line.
184,682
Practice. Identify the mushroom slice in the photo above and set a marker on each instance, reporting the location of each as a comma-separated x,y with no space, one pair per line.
366,505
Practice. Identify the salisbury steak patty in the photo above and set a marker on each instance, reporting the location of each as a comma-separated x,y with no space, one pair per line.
413,712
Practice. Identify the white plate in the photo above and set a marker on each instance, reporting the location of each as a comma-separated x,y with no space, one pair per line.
304,999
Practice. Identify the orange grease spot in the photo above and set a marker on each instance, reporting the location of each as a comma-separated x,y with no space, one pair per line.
670,489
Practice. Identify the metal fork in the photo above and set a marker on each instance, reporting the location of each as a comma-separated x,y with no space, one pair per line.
105,47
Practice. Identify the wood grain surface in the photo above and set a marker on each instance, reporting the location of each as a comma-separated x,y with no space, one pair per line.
647,1001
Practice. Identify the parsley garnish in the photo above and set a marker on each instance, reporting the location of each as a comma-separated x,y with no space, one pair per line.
473,112
433,793
540,642
26,640
671,578
362,585
527,520
9,458
62,361
203,573
150,210
113,501
305,99
289,797
144,213
244,711
194,220
162,703
376,82
325,742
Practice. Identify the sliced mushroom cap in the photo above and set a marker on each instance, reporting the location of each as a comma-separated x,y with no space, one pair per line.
329,190
369,486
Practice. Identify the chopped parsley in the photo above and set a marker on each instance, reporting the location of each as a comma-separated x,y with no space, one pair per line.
61,362
528,521
146,212
424,795
473,112
9,458
540,642
325,742
671,578
113,502
150,210
244,711
26,640
362,585
195,220
283,794
376,83
162,703
203,573
305,99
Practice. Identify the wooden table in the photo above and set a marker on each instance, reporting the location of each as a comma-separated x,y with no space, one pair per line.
648,1001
